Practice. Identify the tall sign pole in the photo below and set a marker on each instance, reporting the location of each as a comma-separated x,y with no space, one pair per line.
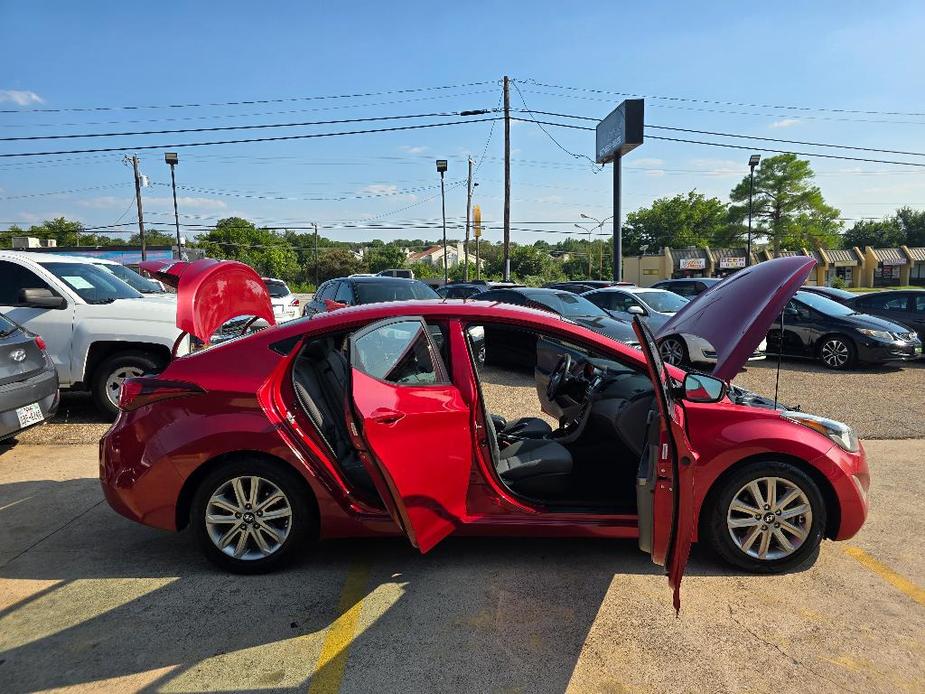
477,230
507,179
441,169
620,132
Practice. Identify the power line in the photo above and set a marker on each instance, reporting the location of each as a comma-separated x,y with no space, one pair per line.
725,103
278,138
258,126
759,149
63,192
247,102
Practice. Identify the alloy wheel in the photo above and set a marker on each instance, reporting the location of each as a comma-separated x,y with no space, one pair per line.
672,351
248,518
117,378
835,353
769,518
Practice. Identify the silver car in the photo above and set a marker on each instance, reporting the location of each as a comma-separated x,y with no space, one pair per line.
28,380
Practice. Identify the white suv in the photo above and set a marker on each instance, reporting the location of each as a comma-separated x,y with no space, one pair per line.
285,303
99,330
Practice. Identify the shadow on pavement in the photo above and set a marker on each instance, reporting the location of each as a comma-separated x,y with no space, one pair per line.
112,598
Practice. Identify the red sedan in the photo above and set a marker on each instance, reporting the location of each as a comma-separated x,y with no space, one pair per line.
372,421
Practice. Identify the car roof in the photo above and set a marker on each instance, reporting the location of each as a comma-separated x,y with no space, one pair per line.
377,279
629,289
44,257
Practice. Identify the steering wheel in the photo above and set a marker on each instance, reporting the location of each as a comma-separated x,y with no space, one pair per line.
558,377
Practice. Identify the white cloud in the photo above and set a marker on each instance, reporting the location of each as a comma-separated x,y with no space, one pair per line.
379,189
20,97
785,123
107,202
648,162
414,149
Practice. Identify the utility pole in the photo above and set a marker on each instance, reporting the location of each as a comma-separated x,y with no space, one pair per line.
141,218
441,169
507,179
617,226
477,212
314,224
468,221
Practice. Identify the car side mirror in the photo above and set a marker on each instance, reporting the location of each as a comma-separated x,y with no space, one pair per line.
703,388
636,310
41,298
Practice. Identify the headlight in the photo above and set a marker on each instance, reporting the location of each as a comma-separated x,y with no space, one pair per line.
836,431
876,334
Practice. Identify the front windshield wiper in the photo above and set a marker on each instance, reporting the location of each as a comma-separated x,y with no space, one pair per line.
101,301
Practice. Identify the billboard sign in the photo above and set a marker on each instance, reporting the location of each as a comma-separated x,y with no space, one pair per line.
692,263
620,132
731,263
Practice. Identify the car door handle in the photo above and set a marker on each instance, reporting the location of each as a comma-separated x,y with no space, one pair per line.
386,416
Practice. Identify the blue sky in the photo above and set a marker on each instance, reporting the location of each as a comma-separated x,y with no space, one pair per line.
823,55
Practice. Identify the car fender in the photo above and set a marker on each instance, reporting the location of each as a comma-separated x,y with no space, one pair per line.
739,434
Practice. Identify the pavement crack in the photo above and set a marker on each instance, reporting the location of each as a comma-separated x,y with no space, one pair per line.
789,657
53,532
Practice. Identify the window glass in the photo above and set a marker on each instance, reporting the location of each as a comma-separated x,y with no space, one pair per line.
14,278
824,306
327,290
663,302
393,290
277,288
684,288
91,284
566,304
6,326
399,353
132,278
920,303
344,293
896,303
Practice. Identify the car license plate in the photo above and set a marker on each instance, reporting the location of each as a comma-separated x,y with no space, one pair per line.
29,415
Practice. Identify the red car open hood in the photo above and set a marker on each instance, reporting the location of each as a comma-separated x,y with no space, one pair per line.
734,315
212,292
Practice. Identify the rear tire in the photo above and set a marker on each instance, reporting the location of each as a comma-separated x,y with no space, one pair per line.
837,352
673,350
108,376
216,516
729,528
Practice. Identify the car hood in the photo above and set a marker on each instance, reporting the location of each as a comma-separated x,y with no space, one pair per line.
734,315
211,292
611,327
869,322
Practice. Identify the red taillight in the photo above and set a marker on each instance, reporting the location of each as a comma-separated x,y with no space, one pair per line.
138,392
40,343
295,302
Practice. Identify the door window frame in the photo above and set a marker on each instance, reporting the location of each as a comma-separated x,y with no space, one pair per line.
441,372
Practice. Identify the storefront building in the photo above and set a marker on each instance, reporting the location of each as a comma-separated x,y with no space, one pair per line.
916,257
885,267
841,266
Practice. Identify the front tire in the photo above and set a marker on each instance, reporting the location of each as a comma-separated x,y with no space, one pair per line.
767,517
109,375
837,352
250,516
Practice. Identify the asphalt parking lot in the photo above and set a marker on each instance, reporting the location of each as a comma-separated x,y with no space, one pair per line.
92,602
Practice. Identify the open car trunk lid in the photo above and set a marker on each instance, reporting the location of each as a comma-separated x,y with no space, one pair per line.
734,315
212,292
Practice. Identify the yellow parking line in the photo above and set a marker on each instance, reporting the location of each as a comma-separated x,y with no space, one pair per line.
887,574
329,672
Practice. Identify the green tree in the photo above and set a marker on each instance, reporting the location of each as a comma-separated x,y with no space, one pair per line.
913,225
239,239
534,264
786,208
683,220
153,237
338,262
879,233
383,257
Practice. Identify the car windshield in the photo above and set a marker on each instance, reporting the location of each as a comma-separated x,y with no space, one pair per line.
567,304
823,305
132,278
663,302
276,288
835,291
90,283
6,326
374,292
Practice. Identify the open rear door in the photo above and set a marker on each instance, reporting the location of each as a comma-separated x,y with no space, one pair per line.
665,487
415,437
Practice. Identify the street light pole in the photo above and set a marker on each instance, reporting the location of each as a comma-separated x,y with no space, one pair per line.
314,224
441,169
752,163
590,253
600,225
172,160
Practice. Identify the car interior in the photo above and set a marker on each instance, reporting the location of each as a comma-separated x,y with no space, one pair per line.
588,462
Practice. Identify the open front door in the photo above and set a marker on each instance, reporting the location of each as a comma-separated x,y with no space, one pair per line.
414,439
665,486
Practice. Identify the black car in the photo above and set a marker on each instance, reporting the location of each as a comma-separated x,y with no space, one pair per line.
466,290
350,291
818,328
833,293
582,286
689,287
518,347
905,307
28,380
